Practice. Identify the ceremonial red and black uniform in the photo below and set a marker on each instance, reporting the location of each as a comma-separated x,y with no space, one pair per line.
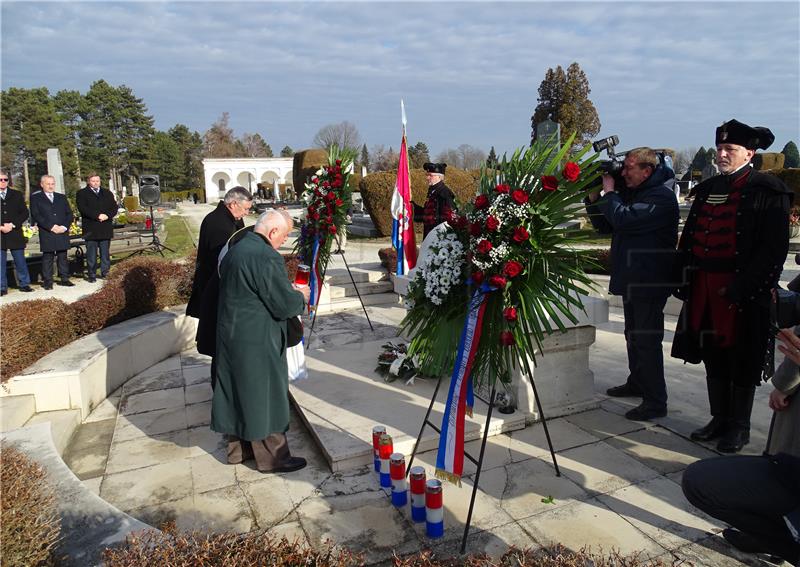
731,254
438,208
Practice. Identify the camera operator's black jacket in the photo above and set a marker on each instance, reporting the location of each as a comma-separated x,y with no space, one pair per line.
643,223
762,241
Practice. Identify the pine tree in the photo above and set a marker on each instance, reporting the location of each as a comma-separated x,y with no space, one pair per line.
491,161
190,146
564,98
364,156
287,151
791,155
418,154
253,146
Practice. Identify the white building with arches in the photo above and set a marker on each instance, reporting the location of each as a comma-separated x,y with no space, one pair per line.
223,173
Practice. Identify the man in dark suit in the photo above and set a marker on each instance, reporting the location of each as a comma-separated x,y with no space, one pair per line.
52,213
98,208
13,213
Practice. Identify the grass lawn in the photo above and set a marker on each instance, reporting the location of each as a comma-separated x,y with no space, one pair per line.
178,238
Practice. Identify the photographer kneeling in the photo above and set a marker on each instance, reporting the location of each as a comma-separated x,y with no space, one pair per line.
760,495
643,222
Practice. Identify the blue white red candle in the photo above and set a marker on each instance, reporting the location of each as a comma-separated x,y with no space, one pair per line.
397,471
434,510
377,431
385,450
416,478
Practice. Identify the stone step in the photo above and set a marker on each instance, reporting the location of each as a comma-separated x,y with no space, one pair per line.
362,273
362,220
358,230
364,288
347,303
63,424
15,411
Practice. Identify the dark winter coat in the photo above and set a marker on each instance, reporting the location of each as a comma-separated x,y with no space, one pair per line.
14,211
251,398
762,241
643,223
215,230
46,215
439,205
91,206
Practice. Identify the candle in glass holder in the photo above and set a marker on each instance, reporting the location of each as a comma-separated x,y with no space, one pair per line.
303,275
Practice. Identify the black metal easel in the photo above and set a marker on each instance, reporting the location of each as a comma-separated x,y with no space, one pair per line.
479,462
355,286
155,244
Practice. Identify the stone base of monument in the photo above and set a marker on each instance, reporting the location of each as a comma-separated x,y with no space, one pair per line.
562,374
343,398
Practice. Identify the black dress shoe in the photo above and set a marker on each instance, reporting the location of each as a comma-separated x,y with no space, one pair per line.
3,292
624,391
743,541
66,283
291,464
47,286
734,440
713,429
26,289
91,280
643,412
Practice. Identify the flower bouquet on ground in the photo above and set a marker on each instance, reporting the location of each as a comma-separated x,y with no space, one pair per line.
501,276
328,197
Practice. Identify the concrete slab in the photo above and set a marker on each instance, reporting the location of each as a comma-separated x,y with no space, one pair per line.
599,468
147,382
211,473
717,552
197,374
197,393
154,400
270,501
660,449
107,409
149,423
532,441
148,486
143,452
198,414
603,424
292,531
344,397
16,410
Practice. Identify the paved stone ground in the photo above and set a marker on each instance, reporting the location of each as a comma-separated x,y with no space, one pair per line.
149,451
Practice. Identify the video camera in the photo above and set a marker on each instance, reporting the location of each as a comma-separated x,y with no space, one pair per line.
613,165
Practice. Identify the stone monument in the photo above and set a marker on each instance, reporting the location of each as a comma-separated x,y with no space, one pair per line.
54,168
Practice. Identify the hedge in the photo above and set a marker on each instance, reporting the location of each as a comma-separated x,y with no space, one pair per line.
377,190
305,164
792,179
137,286
169,196
29,525
768,160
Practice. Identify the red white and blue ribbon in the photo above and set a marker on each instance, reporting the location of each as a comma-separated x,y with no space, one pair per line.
315,278
450,458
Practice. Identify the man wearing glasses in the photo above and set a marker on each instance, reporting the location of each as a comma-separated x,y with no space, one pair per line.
13,212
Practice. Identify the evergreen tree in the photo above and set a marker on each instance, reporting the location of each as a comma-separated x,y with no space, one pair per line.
491,161
418,155
165,160
791,155
564,98
254,146
700,160
218,141
364,156
287,151
190,146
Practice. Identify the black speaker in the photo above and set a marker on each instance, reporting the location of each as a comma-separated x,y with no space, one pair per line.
149,190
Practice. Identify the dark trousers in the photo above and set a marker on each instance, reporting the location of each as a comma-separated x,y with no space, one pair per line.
91,257
21,265
269,453
47,266
721,365
644,332
747,493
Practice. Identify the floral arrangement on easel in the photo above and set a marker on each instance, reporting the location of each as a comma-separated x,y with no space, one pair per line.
500,277
328,197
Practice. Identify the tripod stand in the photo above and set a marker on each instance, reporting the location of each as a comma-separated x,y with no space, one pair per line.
155,244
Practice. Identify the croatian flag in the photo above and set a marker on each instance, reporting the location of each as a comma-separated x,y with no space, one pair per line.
315,279
402,212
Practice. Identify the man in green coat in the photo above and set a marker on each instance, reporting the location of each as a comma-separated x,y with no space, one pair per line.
251,398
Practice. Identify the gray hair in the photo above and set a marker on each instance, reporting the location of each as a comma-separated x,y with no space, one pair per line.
273,218
238,194
43,177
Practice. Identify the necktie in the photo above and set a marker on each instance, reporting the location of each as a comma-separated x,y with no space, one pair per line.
49,196
3,195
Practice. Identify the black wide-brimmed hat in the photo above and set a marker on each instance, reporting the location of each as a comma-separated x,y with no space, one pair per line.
751,137
434,167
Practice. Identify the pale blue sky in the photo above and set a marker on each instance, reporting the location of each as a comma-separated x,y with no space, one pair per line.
662,74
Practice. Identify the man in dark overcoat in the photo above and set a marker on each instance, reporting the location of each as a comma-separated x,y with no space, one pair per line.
98,208
52,214
13,212
731,254
440,203
643,223
251,398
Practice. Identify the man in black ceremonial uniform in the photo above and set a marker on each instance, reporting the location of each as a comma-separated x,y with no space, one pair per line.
440,203
731,254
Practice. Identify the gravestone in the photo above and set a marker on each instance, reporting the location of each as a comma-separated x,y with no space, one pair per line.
55,169
547,129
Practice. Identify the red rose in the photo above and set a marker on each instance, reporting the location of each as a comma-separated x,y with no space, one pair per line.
311,209
520,234
458,221
492,223
510,313
314,179
329,218
506,338
338,162
502,188
481,202
512,269
477,277
484,246
519,196
339,202
497,281
571,171
549,183
326,184
332,229
315,216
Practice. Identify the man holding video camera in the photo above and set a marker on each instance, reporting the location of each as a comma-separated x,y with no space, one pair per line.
643,220
730,257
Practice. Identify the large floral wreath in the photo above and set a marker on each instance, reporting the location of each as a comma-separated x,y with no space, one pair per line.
507,247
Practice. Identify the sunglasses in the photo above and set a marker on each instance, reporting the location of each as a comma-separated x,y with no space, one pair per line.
3,178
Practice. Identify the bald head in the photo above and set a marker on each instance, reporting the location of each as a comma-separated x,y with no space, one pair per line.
275,226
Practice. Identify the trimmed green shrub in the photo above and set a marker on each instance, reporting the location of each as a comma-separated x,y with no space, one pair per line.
31,329
792,179
388,258
377,190
305,164
768,160
131,203
29,525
